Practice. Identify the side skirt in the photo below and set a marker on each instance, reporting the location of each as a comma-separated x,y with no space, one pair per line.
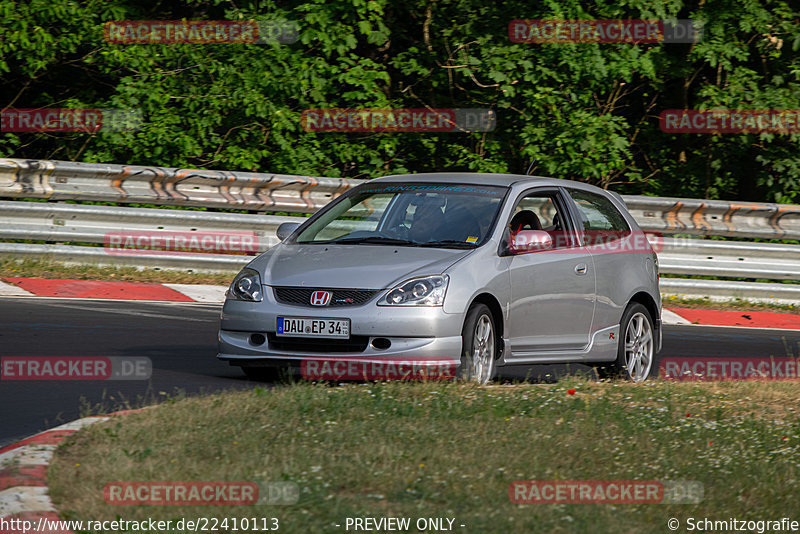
601,348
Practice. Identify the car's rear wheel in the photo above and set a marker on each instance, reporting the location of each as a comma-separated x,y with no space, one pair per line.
479,346
636,350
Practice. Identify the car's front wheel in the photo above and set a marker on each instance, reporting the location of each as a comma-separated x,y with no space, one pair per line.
479,346
636,349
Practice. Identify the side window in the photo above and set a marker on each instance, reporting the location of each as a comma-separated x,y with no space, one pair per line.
540,211
597,212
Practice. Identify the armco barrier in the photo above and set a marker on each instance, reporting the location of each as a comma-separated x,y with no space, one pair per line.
64,180
78,223
731,259
716,217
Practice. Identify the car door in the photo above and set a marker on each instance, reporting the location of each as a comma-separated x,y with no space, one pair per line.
552,291
613,246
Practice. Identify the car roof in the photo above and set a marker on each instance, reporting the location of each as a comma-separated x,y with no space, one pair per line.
476,178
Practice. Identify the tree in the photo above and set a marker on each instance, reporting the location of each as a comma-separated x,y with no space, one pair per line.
583,111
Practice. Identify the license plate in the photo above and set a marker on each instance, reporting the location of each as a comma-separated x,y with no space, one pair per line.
313,327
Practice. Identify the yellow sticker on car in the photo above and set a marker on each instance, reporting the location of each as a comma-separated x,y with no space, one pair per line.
472,239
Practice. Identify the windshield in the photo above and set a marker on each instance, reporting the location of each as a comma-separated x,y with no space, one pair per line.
435,215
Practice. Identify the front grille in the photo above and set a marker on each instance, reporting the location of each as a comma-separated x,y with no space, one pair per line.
306,344
301,296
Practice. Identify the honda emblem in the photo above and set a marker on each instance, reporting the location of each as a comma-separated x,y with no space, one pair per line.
320,298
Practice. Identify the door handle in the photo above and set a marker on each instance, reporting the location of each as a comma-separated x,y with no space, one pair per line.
581,269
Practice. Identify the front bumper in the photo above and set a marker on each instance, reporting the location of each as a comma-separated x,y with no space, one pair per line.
413,333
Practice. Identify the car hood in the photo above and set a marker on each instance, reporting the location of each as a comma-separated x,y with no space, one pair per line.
356,266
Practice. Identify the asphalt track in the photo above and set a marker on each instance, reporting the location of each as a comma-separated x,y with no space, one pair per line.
180,340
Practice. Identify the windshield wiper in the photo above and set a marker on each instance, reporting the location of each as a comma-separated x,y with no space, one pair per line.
448,243
373,240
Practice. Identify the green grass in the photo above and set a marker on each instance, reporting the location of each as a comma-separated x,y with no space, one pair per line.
34,268
728,278
451,450
735,304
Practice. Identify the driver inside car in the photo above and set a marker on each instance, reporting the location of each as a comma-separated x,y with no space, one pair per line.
524,220
428,221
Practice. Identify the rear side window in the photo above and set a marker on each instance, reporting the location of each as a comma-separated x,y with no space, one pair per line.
597,212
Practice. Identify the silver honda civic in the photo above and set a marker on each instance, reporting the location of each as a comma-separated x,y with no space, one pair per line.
474,270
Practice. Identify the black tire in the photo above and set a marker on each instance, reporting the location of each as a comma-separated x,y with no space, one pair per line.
479,346
636,347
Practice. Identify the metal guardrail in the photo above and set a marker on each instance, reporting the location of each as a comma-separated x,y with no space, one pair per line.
74,223
63,180
715,217
70,223
729,259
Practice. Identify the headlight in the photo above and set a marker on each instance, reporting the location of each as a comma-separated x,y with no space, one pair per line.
424,291
246,286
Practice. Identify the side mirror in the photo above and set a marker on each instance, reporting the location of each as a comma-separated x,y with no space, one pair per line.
286,229
526,241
